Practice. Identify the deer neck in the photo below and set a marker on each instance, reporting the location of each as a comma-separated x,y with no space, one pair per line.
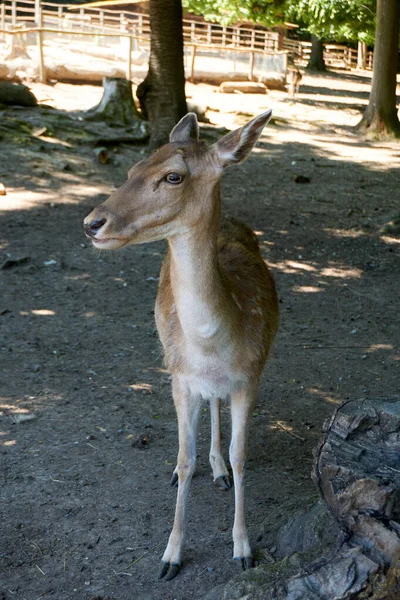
195,276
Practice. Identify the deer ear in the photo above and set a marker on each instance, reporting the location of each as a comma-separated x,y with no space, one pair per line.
187,128
236,146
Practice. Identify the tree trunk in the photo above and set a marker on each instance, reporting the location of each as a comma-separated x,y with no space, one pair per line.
380,116
347,545
162,93
316,62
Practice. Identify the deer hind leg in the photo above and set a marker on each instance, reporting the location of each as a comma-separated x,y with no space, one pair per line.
242,404
187,409
220,472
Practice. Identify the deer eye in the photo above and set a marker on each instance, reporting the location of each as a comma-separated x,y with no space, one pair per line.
173,178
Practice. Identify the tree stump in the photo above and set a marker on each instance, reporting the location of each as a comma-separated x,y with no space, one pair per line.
116,106
17,47
346,546
13,94
116,115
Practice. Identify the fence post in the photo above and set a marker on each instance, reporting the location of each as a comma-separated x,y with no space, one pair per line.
251,66
3,19
209,37
361,55
129,61
60,16
224,36
13,13
39,38
191,79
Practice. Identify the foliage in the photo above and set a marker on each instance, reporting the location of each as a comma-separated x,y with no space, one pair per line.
334,19
330,19
226,12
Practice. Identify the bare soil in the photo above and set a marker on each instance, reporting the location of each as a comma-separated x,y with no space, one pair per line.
88,429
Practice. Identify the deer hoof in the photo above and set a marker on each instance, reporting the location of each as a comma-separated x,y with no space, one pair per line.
169,571
174,480
223,482
246,563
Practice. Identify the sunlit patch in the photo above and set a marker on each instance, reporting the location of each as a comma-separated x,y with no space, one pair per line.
9,443
43,312
284,427
306,289
390,240
77,277
341,273
144,387
301,266
11,408
259,232
156,370
344,233
292,267
3,245
89,314
324,395
24,313
375,347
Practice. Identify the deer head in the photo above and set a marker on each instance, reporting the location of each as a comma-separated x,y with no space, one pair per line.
172,190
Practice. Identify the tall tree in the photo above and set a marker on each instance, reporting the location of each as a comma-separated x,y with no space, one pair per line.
316,62
353,20
380,116
162,93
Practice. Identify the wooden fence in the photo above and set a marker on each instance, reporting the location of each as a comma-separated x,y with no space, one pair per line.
45,17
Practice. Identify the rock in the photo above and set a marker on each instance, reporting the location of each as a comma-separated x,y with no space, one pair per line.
9,263
301,179
393,227
16,94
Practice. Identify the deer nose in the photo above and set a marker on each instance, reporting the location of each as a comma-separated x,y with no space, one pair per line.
94,226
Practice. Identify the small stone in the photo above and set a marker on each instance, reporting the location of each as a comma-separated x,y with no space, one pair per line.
36,368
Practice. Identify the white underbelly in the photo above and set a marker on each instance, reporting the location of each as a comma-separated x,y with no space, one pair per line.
213,383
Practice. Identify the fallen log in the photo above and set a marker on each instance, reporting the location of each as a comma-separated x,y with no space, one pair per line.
346,545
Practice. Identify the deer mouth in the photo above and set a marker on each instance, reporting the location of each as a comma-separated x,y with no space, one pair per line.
108,243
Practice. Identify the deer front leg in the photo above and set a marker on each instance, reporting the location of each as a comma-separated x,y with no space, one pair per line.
187,410
241,408
220,472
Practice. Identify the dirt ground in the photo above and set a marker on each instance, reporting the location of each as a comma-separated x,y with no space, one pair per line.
88,429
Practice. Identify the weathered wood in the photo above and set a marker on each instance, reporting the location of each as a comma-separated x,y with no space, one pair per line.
347,545
80,75
245,87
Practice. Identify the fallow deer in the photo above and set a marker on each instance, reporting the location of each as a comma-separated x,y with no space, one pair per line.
216,308
294,80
